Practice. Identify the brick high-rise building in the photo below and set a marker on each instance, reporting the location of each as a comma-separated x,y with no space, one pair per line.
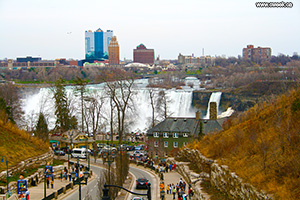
113,51
257,55
143,55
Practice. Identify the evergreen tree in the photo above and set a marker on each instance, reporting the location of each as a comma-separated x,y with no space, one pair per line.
64,121
80,90
5,111
41,129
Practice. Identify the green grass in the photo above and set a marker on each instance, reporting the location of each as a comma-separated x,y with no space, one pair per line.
29,171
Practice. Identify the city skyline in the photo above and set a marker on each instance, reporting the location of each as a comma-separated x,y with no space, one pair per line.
56,29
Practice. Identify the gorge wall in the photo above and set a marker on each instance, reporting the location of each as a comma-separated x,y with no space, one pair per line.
219,176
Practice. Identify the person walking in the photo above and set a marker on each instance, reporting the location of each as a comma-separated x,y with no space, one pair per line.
168,189
174,191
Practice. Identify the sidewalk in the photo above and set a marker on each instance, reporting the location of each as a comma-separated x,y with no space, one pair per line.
172,177
37,192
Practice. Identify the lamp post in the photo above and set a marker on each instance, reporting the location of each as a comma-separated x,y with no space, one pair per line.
88,158
79,179
109,156
7,187
45,184
70,151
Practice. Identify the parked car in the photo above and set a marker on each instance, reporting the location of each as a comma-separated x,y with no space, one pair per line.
141,183
137,198
59,153
79,153
130,148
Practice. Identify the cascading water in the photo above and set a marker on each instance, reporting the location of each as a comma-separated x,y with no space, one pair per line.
180,106
214,97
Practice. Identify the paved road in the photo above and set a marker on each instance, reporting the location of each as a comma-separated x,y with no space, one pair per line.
139,172
91,189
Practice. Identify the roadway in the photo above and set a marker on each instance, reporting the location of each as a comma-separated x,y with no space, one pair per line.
140,173
91,191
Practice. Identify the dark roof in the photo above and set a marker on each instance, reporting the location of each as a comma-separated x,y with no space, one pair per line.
178,125
210,126
187,125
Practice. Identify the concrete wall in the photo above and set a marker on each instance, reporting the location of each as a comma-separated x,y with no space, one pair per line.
219,175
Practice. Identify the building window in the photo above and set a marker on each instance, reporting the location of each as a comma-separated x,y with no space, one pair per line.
175,144
155,134
155,144
175,135
185,143
166,135
185,135
166,144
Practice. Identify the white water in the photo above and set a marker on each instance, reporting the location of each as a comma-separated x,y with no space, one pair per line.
214,97
180,106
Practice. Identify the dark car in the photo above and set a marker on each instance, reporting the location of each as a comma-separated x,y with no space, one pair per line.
137,198
142,183
59,153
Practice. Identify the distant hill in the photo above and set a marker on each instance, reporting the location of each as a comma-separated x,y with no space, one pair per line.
262,145
17,145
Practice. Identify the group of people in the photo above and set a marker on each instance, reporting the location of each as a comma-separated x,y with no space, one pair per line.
179,189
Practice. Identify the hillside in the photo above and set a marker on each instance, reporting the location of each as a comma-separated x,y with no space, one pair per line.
262,146
17,145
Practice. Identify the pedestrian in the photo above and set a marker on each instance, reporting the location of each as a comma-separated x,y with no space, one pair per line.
170,166
174,191
191,192
27,194
184,185
168,188
70,176
180,181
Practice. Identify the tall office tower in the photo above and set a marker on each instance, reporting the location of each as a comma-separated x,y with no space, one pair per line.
143,55
113,51
96,44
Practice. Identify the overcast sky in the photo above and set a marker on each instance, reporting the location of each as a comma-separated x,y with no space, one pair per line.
40,27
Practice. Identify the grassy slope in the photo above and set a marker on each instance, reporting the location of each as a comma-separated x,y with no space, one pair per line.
262,146
17,145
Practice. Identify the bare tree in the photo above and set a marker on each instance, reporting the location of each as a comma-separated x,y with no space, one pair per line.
153,97
119,84
162,104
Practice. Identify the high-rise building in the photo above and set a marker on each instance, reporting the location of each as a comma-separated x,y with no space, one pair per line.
96,44
113,51
257,55
143,55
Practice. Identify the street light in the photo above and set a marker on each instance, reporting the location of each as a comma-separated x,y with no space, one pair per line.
79,179
70,151
109,157
7,187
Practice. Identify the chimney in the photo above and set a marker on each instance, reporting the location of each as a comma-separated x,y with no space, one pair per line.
198,115
213,110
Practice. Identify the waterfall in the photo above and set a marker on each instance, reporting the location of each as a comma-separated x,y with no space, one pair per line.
180,106
214,97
